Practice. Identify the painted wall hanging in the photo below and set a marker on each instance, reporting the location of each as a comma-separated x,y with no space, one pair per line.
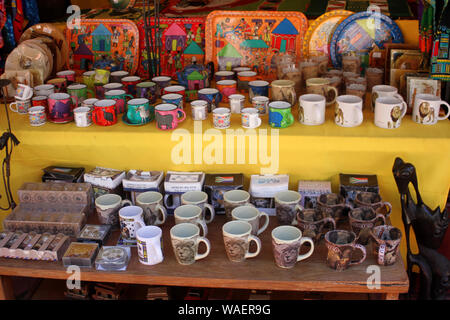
362,32
318,36
104,44
253,39
182,39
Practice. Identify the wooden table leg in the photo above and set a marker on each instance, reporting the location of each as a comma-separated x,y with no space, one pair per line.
391,296
6,288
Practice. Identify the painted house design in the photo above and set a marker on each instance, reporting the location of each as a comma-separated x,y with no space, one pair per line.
175,38
83,57
196,80
194,50
284,36
101,39
229,58
253,44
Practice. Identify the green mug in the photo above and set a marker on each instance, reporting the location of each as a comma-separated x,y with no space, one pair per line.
101,76
89,79
139,111
121,99
280,115
80,91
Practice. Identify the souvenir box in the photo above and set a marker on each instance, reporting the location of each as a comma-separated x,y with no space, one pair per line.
263,189
113,258
217,184
62,174
93,233
33,246
137,181
176,183
310,190
40,218
351,184
105,180
81,254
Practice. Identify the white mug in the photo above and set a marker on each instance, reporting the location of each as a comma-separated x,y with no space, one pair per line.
250,118
83,116
131,220
189,213
382,91
185,242
199,109
349,111
236,102
389,112
199,199
44,90
149,245
24,92
252,216
311,109
426,109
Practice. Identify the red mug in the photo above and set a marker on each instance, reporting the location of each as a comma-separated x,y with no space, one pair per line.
129,84
167,116
104,113
60,107
69,75
175,89
39,101
59,83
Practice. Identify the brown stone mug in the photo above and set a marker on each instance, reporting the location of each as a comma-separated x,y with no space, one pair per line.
312,222
333,205
287,204
362,220
373,200
341,245
386,244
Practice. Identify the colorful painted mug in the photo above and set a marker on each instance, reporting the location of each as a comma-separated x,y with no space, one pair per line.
147,90
258,88
237,103
102,76
21,106
130,83
40,101
175,89
168,116
286,244
116,76
89,79
113,86
60,108
280,115
226,88
89,103
83,116
131,220
120,96
221,118
224,75
99,91
173,98
261,103
250,118
139,111
161,83
79,91
37,116
60,84
213,96
104,113
244,77
69,75
23,92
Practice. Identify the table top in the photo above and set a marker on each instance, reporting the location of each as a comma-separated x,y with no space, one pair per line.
217,271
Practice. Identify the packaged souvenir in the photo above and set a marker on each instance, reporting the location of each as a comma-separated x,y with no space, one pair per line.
217,184
263,189
138,181
105,180
350,184
310,190
176,183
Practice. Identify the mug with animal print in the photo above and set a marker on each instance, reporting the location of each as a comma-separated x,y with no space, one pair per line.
322,87
186,239
189,213
287,204
389,112
168,116
286,243
237,237
311,110
341,245
131,220
383,91
284,90
426,109
386,245
348,111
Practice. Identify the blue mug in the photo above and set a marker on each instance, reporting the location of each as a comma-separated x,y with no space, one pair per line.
258,88
212,96
173,98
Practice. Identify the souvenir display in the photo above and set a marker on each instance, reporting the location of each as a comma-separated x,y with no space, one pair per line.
280,115
193,78
111,44
233,199
80,254
149,243
152,204
95,233
263,189
362,220
185,239
252,216
199,199
64,174
374,201
254,39
131,219
237,237
177,183
405,61
188,213
221,118
426,109
138,181
359,33
250,118
389,112
286,243
217,184
168,116
349,111
37,116
312,223
105,180
113,258
341,245
310,190
351,184
387,54
318,36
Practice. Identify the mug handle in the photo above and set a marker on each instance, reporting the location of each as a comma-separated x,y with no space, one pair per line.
363,250
448,110
405,108
211,211
266,222
258,122
138,225
129,96
184,115
398,96
310,252
381,217
331,88
163,211
126,203
202,224
298,209
258,247
326,221
291,119
389,205
13,110
208,248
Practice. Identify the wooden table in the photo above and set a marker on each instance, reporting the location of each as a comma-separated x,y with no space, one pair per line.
216,271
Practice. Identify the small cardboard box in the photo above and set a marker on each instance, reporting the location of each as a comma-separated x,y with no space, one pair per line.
351,184
176,183
263,189
105,180
310,190
217,184
137,182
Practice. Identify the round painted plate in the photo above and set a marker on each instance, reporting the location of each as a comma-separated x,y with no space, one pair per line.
318,36
360,32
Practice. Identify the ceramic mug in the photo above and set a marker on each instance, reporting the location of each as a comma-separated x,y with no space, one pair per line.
69,75
130,83
287,204
168,116
348,111
389,112
341,244
104,113
386,244
188,213
312,222
237,102
333,205
224,75
175,89
250,118
426,109
117,76
152,204
79,91
237,237
147,90
199,199
252,216
44,90
244,78
213,96
226,88
83,116
101,76
138,111
60,108
112,86
258,88
233,199
23,92
131,220
322,87
149,243
261,103
374,201
351,64
37,116
199,109
89,79
120,96
284,90
311,110
161,83
21,106
384,91
221,118
60,84
107,207
186,239
286,244
173,98
362,220
280,115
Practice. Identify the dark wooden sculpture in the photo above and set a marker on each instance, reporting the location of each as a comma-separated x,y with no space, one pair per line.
429,227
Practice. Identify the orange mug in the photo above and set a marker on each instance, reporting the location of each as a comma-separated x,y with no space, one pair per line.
226,88
244,78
